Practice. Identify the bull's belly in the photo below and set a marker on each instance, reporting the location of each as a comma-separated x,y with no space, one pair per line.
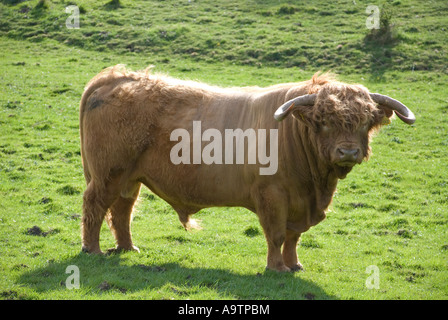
192,195
195,186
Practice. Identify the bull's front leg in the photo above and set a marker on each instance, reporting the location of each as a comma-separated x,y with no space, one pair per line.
275,241
290,250
272,213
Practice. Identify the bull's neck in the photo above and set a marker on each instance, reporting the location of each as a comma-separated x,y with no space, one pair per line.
302,162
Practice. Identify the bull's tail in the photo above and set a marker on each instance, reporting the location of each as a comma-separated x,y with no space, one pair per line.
82,110
106,76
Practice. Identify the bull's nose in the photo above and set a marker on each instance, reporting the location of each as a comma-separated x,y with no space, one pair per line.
350,155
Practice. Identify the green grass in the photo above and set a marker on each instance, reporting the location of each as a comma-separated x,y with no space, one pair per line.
391,212
255,33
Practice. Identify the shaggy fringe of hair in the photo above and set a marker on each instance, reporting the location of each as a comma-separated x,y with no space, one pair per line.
331,103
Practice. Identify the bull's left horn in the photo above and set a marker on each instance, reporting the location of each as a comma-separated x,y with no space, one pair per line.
400,109
283,111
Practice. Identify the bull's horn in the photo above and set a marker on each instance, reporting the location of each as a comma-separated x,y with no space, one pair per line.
400,109
283,111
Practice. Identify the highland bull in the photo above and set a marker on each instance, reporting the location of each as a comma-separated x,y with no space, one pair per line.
322,129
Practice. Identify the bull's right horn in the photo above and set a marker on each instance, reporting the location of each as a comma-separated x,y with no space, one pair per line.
285,109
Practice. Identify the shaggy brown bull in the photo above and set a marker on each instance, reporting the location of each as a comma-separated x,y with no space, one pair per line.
127,120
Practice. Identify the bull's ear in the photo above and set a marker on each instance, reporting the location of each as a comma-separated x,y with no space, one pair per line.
384,115
304,115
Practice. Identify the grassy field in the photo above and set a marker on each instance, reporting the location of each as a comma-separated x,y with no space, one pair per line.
390,212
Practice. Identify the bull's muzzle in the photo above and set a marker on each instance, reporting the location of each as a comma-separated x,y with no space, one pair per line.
347,157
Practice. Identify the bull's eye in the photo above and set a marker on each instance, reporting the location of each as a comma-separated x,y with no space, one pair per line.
325,126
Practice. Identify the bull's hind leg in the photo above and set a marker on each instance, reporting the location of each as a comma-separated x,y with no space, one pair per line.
97,198
120,216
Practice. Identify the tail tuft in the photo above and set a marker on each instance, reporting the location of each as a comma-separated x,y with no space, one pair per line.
192,224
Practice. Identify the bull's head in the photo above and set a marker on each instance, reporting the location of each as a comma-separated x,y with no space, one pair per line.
342,118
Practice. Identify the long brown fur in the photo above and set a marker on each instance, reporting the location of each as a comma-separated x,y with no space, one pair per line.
126,119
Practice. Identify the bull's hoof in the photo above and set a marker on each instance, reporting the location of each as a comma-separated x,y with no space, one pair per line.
91,251
119,249
282,268
296,268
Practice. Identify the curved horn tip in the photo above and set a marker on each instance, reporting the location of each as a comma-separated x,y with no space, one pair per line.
283,111
409,119
403,112
279,117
